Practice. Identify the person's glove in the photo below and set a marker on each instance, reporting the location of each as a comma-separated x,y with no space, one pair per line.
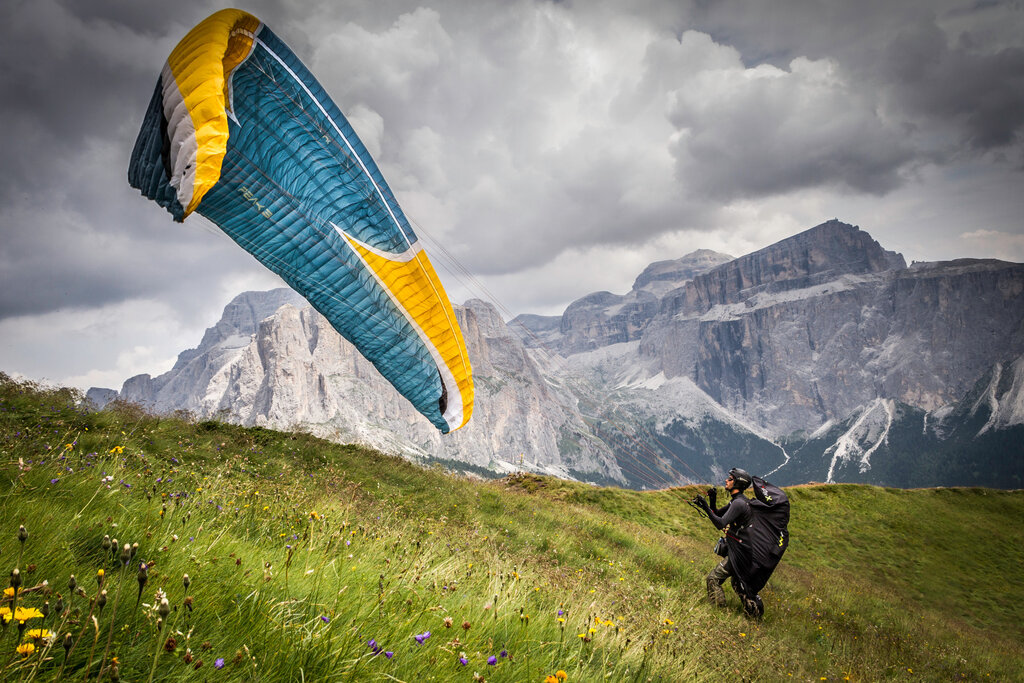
701,502
713,497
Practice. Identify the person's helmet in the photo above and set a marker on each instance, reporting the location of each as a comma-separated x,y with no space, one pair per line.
740,478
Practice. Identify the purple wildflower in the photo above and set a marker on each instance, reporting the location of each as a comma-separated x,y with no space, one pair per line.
219,664
389,654
492,660
54,481
422,637
325,619
463,661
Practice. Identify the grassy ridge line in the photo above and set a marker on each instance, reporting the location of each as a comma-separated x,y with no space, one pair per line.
382,550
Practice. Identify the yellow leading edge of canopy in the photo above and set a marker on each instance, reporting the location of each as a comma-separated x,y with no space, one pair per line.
201,63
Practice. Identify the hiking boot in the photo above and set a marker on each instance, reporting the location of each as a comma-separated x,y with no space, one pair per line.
716,596
753,607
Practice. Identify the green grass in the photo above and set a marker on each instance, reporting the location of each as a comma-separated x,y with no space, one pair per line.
300,552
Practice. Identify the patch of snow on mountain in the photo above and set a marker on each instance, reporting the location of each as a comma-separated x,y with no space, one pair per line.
822,430
890,410
726,312
1009,407
785,462
870,427
235,341
653,383
988,398
1012,404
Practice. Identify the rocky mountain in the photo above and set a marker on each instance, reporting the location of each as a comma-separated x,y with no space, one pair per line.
274,361
822,357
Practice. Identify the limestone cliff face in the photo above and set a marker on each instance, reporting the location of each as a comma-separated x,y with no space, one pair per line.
813,327
292,370
603,318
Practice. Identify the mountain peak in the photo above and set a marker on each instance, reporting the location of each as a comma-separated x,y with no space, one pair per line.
662,276
837,248
823,253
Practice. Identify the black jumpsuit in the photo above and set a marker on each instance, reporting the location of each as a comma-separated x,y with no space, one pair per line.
736,515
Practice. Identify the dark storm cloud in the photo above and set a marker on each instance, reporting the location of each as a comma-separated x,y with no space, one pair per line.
955,65
978,93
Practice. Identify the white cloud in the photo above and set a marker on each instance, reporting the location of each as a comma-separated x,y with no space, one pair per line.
1003,245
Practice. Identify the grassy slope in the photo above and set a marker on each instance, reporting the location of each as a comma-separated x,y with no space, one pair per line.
300,552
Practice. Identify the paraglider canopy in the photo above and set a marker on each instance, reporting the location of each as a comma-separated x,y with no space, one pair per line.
239,131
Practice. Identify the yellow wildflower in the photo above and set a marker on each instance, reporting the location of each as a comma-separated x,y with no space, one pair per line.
38,634
561,675
23,614
25,649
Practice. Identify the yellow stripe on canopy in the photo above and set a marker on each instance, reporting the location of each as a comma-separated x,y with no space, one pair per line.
415,288
201,65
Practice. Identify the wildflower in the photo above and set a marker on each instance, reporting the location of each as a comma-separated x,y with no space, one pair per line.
550,679
465,625
389,654
463,661
420,638
492,661
23,614
561,675
325,619
448,622
37,635
25,649
218,663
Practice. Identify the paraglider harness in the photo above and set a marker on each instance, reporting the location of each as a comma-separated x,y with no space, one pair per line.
764,540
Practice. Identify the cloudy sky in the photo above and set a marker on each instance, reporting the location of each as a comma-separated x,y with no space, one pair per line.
552,148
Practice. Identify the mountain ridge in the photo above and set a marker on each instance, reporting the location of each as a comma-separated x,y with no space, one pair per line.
706,362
